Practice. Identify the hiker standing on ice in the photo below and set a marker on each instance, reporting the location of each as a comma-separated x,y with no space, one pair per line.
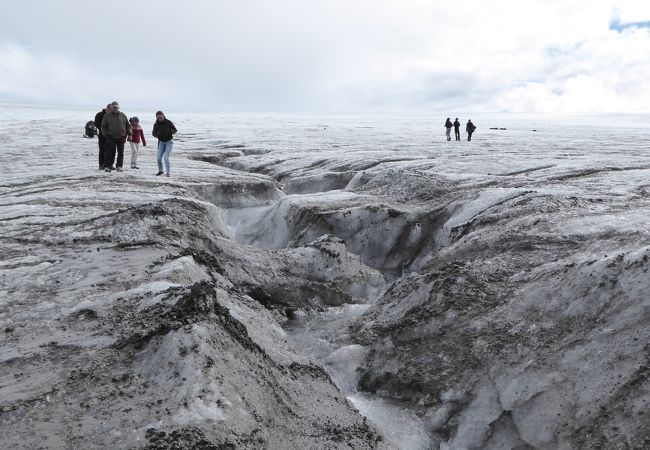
134,140
102,139
115,127
470,129
448,126
164,130
457,129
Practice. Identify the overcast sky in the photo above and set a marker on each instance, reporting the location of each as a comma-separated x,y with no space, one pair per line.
329,55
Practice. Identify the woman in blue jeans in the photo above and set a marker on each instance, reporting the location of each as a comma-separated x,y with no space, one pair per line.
164,130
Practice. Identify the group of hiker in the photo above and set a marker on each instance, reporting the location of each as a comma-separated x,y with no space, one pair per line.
469,128
114,129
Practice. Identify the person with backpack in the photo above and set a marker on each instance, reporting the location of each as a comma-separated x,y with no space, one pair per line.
164,130
448,126
102,139
134,140
89,129
457,129
470,129
115,127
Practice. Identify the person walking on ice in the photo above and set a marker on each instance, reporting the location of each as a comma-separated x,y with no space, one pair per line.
470,129
457,129
164,130
101,138
115,127
134,140
448,126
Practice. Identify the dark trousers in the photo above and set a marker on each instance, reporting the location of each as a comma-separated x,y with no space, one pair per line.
114,145
102,149
469,135
457,133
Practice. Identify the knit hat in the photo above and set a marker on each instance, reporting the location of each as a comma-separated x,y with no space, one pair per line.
134,119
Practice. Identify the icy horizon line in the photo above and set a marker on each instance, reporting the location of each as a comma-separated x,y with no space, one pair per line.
414,112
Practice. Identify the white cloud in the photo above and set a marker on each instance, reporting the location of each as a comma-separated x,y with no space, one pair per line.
531,55
52,78
630,11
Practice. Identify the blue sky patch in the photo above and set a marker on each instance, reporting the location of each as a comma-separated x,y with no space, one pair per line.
616,25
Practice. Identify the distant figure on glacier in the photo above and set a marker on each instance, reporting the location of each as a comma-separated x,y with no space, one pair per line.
102,139
448,126
470,129
115,127
457,129
164,130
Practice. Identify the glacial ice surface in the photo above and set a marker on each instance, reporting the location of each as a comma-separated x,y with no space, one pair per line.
298,271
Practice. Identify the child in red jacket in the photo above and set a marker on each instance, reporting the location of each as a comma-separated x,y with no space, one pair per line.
134,140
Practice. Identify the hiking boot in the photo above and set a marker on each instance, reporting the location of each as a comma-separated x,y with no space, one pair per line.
159,173
119,169
135,167
108,169
167,174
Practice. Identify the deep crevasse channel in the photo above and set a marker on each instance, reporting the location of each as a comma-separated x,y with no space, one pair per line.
323,336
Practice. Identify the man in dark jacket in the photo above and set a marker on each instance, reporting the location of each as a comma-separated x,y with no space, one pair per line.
470,129
457,129
164,130
102,139
115,127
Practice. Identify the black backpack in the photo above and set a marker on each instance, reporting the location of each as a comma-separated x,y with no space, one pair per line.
90,129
